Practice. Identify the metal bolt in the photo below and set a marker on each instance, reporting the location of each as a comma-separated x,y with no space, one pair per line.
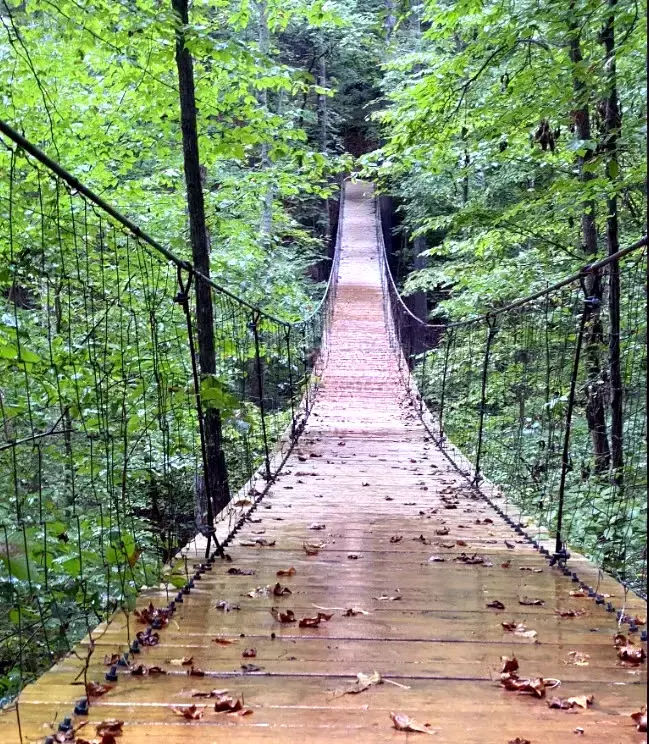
81,708
66,724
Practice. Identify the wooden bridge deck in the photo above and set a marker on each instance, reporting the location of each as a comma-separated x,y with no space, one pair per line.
366,471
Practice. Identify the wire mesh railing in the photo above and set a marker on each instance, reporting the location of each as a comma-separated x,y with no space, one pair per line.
524,401
104,413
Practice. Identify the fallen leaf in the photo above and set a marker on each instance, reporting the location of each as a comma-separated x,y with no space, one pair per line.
249,653
509,544
223,641
578,658
185,661
112,659
353,556
353,611
436,559
226,606
519,740
578,593
241,571
210,694
227,704
496,605
312,548
510,665
96,689
281,591
314,622
530,602
529,568
363,682
286,572
442,531
396,538
402,722
110,726
190,712
534,686
242,502
259,591
282,616
580,701
262,542
386,597
506,564
519,629
195,672
631,654
317,526
248,668
569,613
640,719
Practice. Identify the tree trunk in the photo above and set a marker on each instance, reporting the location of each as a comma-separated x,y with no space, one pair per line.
612,123
266,226
216,473
594,335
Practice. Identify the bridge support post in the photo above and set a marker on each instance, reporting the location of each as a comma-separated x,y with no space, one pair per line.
491,323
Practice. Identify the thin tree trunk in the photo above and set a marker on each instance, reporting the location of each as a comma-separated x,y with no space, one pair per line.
216,476
612,123
266,226
594,338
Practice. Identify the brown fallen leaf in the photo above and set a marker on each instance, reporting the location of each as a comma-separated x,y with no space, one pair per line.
242,502
283,616
530,602
241,571
519,740
226,606
461,543
353,556
109,726
569,613
281,591
578,658
314,622
442,531
190,712
112,659
185,661
227,704
496,605
223,641
312,548
209,694
396,538
317,526
506,564
510,665
580,701
519,629
631,653
249,653
363,682
286,571
353,611
512,682
195,672
402,722
509,545
578,593
640,719
96,689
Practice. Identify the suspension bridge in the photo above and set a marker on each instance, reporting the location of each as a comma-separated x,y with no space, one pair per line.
367,580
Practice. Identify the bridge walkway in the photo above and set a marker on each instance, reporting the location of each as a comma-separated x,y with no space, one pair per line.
374,521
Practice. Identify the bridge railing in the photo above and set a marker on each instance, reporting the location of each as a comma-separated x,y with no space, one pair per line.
542,405
102,409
